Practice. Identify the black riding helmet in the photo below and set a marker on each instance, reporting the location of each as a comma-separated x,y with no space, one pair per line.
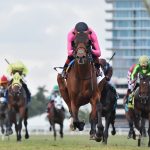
81,27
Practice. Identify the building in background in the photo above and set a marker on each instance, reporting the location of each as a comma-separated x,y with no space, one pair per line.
130,33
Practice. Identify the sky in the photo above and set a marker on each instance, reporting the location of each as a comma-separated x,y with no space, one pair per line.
35,32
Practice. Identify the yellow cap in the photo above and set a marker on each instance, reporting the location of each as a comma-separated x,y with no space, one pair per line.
143,60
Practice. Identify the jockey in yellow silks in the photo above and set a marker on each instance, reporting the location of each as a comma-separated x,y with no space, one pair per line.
19,67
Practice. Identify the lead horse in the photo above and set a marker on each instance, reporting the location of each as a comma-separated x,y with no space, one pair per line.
17,105
81,87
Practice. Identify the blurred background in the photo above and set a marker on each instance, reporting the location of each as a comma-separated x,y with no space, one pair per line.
35,32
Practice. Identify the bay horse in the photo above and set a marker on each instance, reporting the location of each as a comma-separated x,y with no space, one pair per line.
142,104
56,116
81,87
109,103
17,105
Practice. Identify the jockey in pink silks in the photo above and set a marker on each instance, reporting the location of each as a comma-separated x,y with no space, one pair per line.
82,27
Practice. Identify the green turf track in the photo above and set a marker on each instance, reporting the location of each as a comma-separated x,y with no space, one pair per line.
72,142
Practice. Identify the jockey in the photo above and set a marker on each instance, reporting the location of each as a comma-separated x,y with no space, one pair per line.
130,84
3,88
108,71
82,27
4,99
22,70
143,67
55,98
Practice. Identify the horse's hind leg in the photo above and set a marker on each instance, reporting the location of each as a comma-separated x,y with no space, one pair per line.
131,133
26,123
113,116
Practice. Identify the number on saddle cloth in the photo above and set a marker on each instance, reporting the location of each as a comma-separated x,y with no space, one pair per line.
58,102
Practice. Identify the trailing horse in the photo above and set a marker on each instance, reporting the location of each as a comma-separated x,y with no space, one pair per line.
17,105
56,116
109,103
81,87
4,118
142,105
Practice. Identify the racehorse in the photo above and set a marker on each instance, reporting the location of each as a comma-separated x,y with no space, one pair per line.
4,118
142,104
108,101
17,104
56,116
130,115
81,87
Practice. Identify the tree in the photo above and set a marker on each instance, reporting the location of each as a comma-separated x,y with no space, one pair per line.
147,4
38,103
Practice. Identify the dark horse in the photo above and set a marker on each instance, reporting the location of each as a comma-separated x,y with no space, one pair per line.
4,118
56,116
142,104
17,104
108,101
81,87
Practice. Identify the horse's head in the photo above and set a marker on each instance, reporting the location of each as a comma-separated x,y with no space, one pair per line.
144,88
81,47
16,84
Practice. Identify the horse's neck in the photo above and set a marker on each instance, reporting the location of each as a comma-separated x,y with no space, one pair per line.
83,70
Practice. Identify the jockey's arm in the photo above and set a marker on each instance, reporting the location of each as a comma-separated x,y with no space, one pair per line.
135,72
70,38
96,51
109,72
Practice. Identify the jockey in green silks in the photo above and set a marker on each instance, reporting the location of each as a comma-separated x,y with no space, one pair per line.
19,67
143,68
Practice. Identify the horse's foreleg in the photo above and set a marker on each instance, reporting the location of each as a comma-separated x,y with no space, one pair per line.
61,130
54,129
100,127
64,91
25,124
149,130
143,121
76,123
112,121
107,123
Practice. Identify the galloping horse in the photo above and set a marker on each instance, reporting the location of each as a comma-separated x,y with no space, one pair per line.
108,101
81,87
17,105
4,118
56,116
142,104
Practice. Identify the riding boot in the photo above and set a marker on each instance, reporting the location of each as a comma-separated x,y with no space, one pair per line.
27,92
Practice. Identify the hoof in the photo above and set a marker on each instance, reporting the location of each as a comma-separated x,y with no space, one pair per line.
113,132
92,137
26,136
8,132
81,126
72,127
